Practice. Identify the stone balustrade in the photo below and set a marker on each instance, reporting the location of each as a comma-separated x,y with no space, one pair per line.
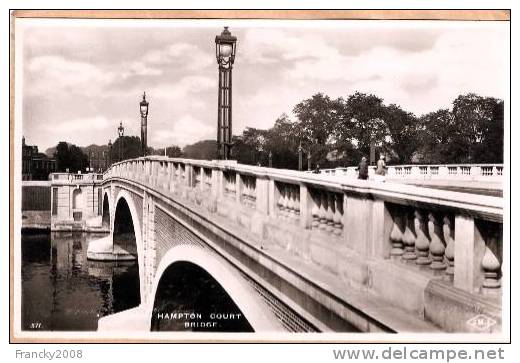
463,172
71,177
452,237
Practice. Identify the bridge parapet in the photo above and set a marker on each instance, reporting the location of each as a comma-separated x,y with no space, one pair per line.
447,172
423,249
75,178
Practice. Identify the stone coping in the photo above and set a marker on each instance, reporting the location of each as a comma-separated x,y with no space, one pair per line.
480,206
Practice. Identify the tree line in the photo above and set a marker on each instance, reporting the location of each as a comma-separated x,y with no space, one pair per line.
73,158
338,132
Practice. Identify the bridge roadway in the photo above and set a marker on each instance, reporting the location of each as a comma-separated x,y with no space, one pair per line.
300,252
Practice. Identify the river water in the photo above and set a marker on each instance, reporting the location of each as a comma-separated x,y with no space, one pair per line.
62,291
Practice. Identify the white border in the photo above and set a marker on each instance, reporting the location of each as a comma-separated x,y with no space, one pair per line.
20,23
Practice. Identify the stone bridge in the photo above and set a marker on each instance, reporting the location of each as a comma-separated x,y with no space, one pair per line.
302,252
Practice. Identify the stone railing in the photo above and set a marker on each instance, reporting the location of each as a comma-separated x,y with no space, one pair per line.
75,178
339,224
462,172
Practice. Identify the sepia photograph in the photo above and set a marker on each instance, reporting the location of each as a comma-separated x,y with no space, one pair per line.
306,176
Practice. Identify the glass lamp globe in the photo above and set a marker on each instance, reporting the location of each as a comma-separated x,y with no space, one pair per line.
225,50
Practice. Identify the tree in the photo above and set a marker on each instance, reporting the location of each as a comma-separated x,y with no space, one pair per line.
249,147
440,139
70,157
317,117
403,132
131,148
480,123
172,151
282,142
205,150
362,123
473,132
62,156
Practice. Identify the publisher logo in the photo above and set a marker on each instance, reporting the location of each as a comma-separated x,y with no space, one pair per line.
481,322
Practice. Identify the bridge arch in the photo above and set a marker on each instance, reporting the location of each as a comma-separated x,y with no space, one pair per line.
106,209
126,224
249,303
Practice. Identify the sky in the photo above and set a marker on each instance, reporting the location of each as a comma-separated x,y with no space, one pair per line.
81,78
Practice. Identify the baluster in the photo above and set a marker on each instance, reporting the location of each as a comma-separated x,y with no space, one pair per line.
491,266
287,211
330,213
323,211
248,191
436,245
316,211
280,202
449,252
422,244
288,202
165,176
296,203
408,240
293,202
253,191
252,188
396,238
228,185
234,184
338,214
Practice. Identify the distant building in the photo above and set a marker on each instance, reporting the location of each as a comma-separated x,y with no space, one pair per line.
36,165
98,159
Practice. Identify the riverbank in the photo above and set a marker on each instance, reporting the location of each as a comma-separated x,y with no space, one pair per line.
36,220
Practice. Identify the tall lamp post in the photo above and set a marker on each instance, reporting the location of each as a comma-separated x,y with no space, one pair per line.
121,132
225,48
301,150
109,153
143,108
300,157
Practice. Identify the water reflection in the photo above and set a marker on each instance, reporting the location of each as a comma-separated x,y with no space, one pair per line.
62,290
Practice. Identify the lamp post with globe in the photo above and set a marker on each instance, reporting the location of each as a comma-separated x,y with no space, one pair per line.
121,133
225,48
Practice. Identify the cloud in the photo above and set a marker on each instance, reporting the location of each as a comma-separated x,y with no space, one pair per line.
184,130
55,73
420,81
83,85
183,55
80,131
81,124
259,47
139,69
180,56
